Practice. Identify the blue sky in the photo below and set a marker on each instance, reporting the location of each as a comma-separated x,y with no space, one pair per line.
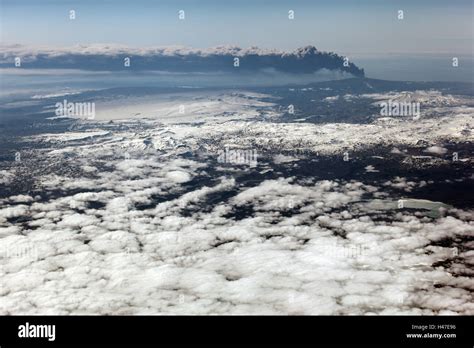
350,27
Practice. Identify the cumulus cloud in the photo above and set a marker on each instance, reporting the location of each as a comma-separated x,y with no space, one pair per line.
6,177
437,150
162,231
329,256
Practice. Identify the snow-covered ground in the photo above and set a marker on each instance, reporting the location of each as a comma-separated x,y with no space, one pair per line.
144,219
199,106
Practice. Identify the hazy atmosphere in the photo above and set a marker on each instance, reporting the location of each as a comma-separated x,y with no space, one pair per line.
250,157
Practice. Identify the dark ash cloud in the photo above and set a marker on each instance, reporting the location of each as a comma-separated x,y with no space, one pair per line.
111,58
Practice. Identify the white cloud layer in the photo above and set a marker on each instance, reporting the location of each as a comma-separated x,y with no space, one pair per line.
157,232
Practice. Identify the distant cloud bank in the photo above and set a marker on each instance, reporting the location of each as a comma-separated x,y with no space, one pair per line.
100,57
